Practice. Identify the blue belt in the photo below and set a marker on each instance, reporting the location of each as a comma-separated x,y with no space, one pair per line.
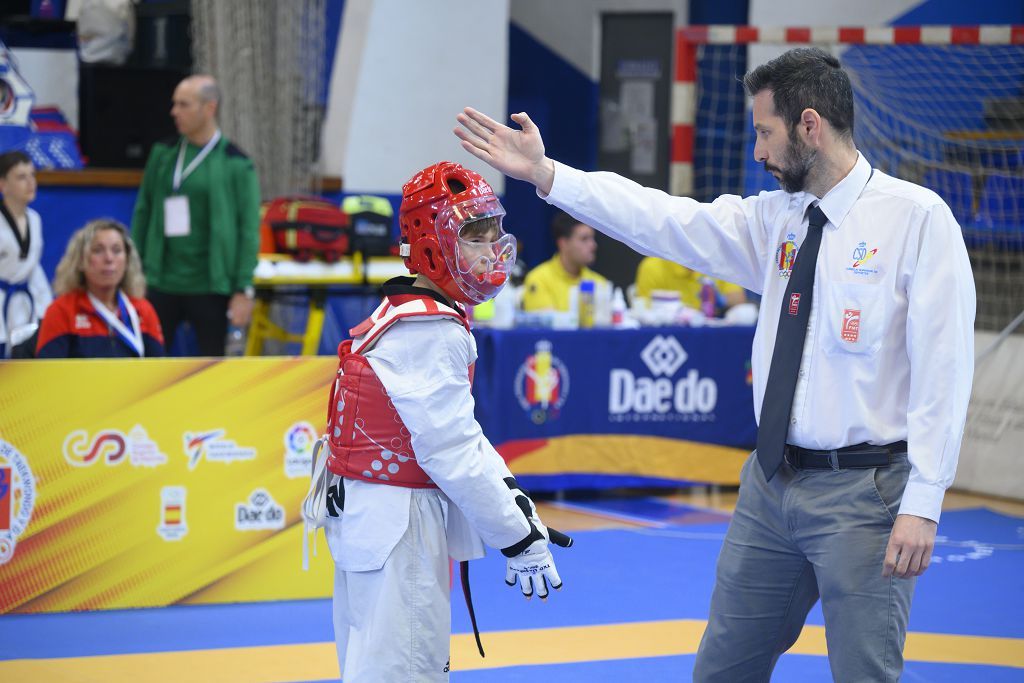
10,288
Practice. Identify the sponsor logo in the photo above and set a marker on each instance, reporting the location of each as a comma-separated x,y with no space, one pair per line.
172,526
794,303
298,450
663,397
861,255
212,446
785,255
259,513
17,498
851,325
663,356
110,446
542,384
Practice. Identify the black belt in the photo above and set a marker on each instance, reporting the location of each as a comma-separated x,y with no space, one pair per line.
861,456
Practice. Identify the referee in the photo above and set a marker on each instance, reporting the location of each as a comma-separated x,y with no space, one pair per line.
862,361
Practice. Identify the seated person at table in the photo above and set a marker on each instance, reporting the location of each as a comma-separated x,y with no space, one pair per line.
548,285
658,274
99,311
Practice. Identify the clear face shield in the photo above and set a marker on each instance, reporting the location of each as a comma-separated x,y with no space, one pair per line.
479,253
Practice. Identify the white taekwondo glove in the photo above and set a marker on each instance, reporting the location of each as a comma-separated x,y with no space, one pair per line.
530,561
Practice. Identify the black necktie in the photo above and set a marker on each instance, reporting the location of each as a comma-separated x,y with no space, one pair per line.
789,348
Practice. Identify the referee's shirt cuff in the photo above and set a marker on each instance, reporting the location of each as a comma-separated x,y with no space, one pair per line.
922,500
566,185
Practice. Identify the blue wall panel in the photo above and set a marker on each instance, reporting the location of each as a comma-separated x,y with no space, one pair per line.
65,209
563,102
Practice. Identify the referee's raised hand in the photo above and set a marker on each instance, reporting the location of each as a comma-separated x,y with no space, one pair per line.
518,154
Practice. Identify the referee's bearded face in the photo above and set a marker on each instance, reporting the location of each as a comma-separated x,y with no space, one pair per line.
188,111
789,159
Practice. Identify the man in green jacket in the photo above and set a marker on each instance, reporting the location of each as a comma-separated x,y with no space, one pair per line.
196,222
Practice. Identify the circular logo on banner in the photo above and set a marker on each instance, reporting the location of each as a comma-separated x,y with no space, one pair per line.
542,384
17,498
298,450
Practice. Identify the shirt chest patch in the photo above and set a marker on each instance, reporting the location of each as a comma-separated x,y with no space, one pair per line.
785,255
863,260
82,321
851,325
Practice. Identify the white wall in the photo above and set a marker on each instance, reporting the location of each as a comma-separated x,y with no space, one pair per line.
53,77
817,13
402,71
991,457
572,28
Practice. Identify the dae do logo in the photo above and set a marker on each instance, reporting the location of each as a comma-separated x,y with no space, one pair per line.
663,396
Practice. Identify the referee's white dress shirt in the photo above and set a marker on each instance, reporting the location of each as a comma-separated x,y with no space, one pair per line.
889,354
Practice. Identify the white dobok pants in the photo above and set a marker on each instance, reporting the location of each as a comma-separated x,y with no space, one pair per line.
393,625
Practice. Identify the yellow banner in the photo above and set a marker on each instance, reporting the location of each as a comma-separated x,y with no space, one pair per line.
157,482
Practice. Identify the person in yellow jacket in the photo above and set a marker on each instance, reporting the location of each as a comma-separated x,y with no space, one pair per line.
658,274
548,285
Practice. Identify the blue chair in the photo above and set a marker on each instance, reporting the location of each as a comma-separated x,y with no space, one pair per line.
956,188
1001,210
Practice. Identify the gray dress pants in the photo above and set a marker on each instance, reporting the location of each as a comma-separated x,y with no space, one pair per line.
808,534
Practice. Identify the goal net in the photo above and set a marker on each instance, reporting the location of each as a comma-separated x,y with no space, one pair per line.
939,106
269,60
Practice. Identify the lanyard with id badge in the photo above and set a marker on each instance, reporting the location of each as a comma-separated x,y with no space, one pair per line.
177,220
125,325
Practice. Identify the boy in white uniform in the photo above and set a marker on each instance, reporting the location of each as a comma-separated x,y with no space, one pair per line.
410,478
24,290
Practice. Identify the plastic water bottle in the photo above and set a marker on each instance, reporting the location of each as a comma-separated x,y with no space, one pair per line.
708,297
587,301
618,308
603,304
234,344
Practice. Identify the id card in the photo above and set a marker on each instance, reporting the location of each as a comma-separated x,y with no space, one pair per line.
177,222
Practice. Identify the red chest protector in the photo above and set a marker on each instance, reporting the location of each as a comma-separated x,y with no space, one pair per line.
366,436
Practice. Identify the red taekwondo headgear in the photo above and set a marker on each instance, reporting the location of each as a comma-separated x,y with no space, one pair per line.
438,205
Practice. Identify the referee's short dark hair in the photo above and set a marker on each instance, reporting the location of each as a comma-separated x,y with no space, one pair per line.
802,78
563,225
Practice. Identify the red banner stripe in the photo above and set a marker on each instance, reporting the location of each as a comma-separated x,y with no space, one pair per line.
965,35
742,35
798,34
682,143
851,34
686,62
746,34
906,34
693,34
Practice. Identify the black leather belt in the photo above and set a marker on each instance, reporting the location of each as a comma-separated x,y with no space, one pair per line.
861,456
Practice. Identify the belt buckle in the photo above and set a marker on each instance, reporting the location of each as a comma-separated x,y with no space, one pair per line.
833,459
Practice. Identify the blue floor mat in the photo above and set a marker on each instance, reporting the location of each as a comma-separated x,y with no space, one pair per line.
790,669
611,576
179,627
